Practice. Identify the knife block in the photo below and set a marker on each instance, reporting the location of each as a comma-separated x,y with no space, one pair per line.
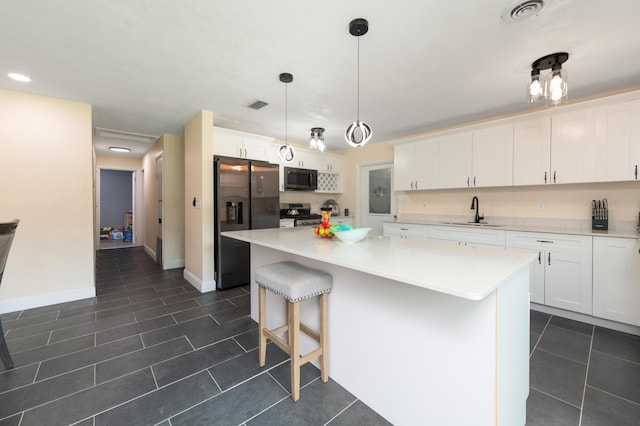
599,224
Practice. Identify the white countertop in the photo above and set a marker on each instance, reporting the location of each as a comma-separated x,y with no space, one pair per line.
466,272
572,227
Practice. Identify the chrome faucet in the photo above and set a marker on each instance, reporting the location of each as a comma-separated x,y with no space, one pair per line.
475,205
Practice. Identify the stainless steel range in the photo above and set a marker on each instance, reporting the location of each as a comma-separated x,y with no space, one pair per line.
300,213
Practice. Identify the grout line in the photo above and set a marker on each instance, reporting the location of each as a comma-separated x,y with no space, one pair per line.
586,377
554,397
617,357
342,411
614,395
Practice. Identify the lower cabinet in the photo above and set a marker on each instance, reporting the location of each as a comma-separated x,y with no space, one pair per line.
467,236
616,279
561,275
405,230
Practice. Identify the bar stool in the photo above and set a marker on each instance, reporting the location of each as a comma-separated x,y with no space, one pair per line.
294,282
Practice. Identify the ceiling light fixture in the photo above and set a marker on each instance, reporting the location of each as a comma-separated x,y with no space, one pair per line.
553,89
317,139
19,77
119,149
358,133
286,151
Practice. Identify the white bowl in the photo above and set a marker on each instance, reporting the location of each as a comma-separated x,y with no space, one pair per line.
352,235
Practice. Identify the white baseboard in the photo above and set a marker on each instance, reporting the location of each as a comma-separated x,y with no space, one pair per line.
22,303
150,252
201,286
625,328
173,264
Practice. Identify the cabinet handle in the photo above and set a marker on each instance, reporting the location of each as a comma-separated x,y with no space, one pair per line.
404,229
467,181
636,172
539,257
545,177
549,258
544,241
416,184
474,181
554,176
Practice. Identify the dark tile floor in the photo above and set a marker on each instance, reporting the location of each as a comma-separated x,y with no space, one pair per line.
150,350
582,375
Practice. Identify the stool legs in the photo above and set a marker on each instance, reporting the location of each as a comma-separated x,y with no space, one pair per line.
294,345
4,351
324,337
262,324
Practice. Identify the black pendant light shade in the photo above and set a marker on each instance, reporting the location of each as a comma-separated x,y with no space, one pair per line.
358,133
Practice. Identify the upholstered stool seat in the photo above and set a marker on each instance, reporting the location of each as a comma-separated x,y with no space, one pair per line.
294,282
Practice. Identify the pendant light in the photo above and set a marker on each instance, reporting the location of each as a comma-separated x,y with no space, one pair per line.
286,151
316,141
554,90
358,133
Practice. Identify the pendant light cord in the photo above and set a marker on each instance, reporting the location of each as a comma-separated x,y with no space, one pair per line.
358,80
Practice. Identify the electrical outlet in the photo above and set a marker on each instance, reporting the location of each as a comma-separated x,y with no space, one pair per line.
540,205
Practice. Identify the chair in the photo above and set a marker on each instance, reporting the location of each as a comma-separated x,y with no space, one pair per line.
294,282
7,231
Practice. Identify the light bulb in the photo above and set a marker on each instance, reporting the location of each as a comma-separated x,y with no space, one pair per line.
535,88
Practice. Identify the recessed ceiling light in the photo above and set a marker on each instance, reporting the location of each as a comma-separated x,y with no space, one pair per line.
119,149
19,77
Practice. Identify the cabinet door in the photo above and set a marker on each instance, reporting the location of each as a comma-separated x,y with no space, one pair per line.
255,149
532,151
305,159
616,279
618,142
403,160
329,163
493,156
227,143
405,230
454,159
568,274
425,164
469,236
573,146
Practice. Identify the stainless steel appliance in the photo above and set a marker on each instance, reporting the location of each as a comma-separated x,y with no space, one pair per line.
300,213
300,179
246,196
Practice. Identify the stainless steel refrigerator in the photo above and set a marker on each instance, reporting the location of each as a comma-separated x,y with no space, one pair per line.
246,196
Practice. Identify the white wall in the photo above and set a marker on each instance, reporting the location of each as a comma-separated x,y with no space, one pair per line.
46,181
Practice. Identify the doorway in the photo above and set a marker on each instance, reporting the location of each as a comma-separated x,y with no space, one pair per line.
376,198
116,209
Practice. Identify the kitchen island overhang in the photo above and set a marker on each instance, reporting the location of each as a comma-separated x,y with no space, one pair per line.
419,330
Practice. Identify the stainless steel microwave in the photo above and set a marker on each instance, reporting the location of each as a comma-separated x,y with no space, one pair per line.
300,179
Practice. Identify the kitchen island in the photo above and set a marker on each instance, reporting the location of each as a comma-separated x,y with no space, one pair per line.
422,332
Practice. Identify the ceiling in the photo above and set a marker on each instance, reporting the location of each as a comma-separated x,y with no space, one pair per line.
148,66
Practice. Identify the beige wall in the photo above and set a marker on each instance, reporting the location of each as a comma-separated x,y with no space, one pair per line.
150,195
114,162
46,181
198,137
173,201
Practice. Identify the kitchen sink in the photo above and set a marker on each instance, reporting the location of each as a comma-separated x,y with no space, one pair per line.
481,224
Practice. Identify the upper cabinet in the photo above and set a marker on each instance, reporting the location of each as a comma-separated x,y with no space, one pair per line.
573,141
532,151
329,163
232,143
455,154
415,165
618,142
493,156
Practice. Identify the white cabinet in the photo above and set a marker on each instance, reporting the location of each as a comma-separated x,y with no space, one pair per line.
405,230
482,158
345,220
232,143
616,279
455,156
468,236
532,151
565,263
415,165
329,163
573,138
492,163
618,142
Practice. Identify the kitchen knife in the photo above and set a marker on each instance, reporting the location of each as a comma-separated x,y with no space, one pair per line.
593,209
605,205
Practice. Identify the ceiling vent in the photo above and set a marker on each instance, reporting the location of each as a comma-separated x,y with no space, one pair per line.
258,104
520,10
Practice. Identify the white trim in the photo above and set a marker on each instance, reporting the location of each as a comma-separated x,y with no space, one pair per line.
173,264
22,303
150,252
202,287
600,322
